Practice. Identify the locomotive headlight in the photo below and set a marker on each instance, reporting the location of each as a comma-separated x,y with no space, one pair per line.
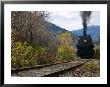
85,41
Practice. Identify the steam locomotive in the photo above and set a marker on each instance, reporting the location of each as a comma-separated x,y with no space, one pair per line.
85,45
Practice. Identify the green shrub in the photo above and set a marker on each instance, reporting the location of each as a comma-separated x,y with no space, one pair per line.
22,55
92,65
44,55
65,53
65,50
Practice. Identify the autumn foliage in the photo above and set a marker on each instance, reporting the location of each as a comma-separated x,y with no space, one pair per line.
33,44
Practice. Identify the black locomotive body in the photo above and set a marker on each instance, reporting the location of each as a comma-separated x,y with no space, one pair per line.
85,47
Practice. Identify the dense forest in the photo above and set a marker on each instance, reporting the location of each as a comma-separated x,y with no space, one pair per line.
34,41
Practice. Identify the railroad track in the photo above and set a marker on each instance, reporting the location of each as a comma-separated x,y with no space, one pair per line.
49,70
15,70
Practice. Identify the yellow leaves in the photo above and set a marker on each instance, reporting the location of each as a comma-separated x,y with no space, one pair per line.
61,49
23,55
66,50
26,61
65,38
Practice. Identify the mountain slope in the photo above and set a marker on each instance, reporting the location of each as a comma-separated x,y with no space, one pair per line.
56,30
93,30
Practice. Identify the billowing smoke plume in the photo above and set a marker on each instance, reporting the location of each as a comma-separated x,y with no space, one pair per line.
85,19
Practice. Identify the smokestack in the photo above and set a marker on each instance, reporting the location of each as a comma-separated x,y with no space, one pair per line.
85,19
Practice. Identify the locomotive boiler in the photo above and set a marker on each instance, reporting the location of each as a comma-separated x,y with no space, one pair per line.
85,45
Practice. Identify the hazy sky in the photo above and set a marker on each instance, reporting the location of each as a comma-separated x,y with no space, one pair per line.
71,20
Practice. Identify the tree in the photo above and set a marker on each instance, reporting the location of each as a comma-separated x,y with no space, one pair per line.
25,23
65,50
30,26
